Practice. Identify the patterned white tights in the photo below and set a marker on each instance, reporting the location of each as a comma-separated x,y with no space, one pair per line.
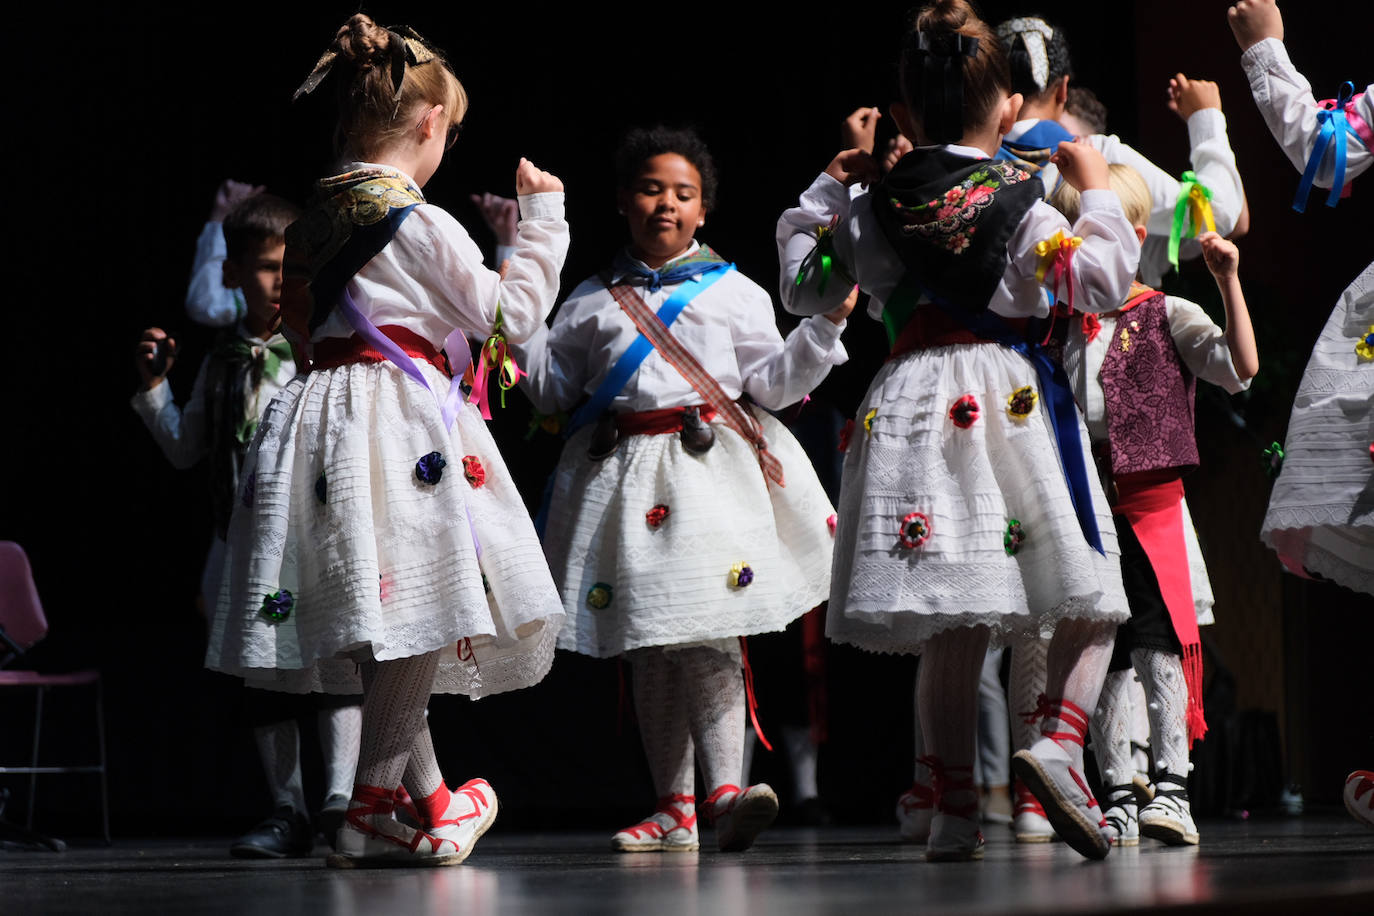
661,706
395,694
1111,730
279,748
340,731
1166,695
1075,667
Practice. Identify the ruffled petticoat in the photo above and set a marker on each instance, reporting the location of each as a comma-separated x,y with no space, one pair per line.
907,455
1321,513
627,583
333,509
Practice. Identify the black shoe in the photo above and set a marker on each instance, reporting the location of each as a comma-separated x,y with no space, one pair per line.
286,833
331,818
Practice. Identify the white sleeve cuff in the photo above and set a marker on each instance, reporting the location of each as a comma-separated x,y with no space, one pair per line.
547,205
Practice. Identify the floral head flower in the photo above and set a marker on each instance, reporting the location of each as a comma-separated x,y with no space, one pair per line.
472,470
1014,537
915,530
430,468
741,575
655,516
599,596
1021,402
277,606
964,413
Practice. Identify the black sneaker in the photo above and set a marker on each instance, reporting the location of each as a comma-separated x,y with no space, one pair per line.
286,833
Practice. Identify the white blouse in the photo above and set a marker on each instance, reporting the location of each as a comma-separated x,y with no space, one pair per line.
431,278
1103,266
1200,343
1287,105
730,328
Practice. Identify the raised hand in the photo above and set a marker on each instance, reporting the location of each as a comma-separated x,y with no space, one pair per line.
1188,96
1222,255
230,194
532,180
500,214
853,165
1082,166
859,130
154,356
1252,21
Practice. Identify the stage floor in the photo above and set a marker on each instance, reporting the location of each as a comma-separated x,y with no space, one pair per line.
1279,866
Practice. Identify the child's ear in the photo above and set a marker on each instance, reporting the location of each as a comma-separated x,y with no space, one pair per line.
232,274
1011,110
1061,92
901,116
1140,233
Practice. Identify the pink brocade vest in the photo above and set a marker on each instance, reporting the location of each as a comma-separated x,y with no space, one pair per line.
1148,392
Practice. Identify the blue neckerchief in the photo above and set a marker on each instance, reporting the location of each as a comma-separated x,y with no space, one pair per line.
627,269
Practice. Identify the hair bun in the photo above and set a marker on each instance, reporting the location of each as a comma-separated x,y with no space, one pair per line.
944,16
362,42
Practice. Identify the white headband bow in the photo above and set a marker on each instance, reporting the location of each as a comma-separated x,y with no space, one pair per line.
1034,33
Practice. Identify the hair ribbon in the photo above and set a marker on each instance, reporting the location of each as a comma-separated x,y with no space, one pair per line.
943,82
1034,33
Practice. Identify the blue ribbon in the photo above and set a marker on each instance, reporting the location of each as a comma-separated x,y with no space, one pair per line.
628,364
1333,123
1058,399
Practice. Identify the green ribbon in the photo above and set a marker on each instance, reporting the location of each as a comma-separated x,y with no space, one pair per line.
823,255
1189,207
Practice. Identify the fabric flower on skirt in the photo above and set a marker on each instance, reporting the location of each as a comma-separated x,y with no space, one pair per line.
1272,459
868,420
599,596
430,468
1365,348
1014,537
741,575
964,413
915,530
473,471
1021,402
831,522
277,606
655,516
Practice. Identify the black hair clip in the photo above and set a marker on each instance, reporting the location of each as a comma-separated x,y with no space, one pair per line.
942,82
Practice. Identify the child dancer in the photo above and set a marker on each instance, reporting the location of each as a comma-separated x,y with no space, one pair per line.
249,364
1040,70
1320,518
1133,372
957,525
682,519
377,527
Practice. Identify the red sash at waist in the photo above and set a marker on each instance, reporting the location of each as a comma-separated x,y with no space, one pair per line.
340,351
930,326
1148,491
657,422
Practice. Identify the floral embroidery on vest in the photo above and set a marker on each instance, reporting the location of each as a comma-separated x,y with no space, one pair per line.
949,220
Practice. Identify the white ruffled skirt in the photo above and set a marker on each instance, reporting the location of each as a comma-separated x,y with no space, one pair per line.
969,484
1321,512
333,511
628,584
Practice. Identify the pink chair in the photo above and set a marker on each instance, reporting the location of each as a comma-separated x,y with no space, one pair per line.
22,624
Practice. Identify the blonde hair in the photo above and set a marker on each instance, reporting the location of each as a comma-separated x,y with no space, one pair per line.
373,114
1124,181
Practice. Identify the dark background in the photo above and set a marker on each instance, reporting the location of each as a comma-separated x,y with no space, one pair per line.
125,118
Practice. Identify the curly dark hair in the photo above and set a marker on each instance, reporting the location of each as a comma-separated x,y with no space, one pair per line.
641,144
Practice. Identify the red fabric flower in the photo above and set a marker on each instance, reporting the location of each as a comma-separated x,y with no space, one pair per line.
845,433
656,515
1092,326
915,530
965,411
831,522
472,470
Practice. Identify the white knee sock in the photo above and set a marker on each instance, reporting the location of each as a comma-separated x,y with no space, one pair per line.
716,708
1166,695
1028,672
947,694
1076,665
661,708
279,748
340,731
1111,730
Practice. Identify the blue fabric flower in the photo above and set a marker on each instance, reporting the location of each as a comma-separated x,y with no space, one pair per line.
430,468
277,606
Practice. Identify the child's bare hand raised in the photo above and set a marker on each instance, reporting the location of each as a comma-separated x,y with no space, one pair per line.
897,147
146,356
1082,166
530,179
1252,21
853,165
230,194
1188,96
501,214
841,312
1222,255
860,129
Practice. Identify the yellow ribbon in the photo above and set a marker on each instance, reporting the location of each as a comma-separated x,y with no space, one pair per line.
1051,250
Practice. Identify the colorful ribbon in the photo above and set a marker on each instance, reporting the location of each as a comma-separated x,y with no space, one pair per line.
1056,254
495,355
1331,122
1195,205
824,256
